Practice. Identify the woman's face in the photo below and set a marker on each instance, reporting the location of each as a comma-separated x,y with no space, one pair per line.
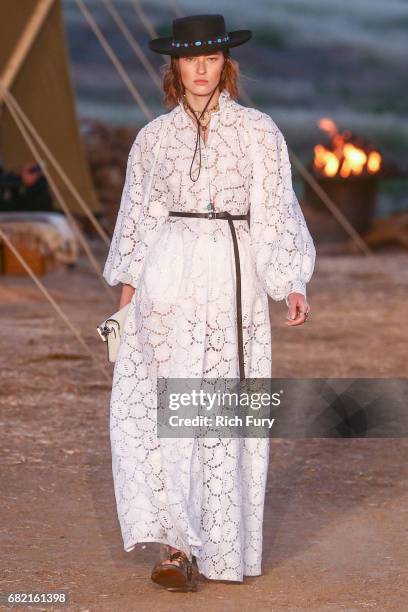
200,74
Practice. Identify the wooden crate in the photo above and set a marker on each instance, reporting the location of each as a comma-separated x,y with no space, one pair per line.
30,251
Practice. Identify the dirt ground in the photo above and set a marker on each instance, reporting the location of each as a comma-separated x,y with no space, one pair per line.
336,509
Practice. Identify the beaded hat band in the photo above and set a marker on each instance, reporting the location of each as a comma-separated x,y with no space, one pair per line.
199,43
199,34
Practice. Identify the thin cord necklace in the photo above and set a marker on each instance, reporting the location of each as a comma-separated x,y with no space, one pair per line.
207,114
198,137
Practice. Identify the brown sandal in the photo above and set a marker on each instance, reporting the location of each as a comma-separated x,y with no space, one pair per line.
175,577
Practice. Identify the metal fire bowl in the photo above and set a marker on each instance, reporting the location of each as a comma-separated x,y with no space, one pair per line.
356,198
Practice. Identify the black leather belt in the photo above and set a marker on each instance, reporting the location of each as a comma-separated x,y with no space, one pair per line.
230,218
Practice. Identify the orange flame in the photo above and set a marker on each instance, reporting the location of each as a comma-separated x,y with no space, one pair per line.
344,158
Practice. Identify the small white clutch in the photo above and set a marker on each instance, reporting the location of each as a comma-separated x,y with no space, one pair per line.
110,331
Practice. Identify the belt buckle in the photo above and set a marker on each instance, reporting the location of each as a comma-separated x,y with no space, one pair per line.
212,214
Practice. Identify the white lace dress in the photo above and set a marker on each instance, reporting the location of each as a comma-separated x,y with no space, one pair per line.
203,496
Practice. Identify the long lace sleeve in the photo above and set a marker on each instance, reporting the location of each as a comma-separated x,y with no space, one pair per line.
283,249
140,212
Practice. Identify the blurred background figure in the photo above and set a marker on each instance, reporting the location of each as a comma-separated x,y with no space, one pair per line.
26,190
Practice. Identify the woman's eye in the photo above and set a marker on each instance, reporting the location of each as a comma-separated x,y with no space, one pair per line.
192,59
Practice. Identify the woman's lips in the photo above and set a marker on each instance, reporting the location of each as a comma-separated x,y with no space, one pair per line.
201,82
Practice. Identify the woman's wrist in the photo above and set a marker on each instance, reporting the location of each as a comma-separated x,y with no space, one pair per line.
126,295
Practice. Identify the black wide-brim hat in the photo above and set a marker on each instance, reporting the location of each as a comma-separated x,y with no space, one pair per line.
198,35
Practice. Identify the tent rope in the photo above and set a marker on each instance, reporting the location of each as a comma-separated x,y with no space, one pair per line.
54,304
114,59
177,10
61,201
144,19
140,54
341,218
68,183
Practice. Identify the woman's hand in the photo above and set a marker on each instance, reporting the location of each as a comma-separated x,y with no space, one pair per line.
126,295
298,309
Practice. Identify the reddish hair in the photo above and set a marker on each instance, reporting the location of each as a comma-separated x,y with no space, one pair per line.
174,88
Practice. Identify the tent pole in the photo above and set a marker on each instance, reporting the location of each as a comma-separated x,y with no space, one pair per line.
25,42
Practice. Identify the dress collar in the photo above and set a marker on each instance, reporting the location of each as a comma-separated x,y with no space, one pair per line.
224,100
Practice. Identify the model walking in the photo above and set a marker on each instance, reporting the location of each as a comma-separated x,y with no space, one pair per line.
197,277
